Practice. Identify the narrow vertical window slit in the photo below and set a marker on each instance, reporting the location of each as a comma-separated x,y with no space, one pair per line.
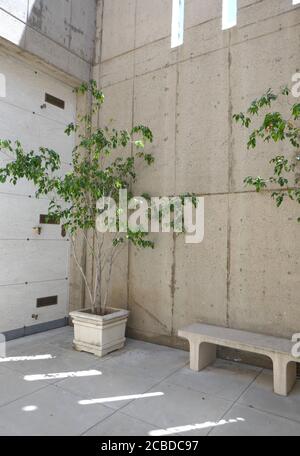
230,10
177,23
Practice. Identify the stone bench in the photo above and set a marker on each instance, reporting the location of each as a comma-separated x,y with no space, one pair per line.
204,340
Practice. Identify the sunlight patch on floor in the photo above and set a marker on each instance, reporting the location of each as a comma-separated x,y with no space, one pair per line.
193,427
61,375
119,398
15,359
30,408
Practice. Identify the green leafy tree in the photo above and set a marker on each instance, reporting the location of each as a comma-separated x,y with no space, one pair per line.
100,168
275,128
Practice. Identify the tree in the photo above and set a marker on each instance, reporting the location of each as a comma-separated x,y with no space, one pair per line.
96,173
275,128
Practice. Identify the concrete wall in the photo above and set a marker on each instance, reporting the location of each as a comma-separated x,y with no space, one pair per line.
59,32
246,272
51,38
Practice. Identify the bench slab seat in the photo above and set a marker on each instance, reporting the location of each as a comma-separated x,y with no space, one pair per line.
204,340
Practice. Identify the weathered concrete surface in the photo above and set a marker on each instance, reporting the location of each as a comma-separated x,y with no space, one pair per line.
200,277
245,273
160,178
118,27
264,267
202,127
60,32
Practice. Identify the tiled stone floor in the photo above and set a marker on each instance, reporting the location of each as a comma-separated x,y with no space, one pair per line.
143,389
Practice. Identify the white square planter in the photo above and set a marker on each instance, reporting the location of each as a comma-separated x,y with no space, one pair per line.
97,334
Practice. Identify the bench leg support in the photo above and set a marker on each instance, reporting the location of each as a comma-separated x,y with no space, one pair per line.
285,375
202,355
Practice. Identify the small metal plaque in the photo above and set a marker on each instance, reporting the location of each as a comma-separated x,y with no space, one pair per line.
46,220
46,302
51,99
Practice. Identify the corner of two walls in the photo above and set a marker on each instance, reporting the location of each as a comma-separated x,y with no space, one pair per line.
245,274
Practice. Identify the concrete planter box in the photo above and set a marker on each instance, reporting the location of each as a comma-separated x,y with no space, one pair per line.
97,334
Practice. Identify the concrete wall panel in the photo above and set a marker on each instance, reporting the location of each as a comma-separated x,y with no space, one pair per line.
116,112
83,28
200,282
264,265
198,12
155,56
150,288
158,14
51,19
155,105
274,60
202,125
118,27
116,70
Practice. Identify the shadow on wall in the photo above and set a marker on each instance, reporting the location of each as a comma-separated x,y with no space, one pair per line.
39,25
